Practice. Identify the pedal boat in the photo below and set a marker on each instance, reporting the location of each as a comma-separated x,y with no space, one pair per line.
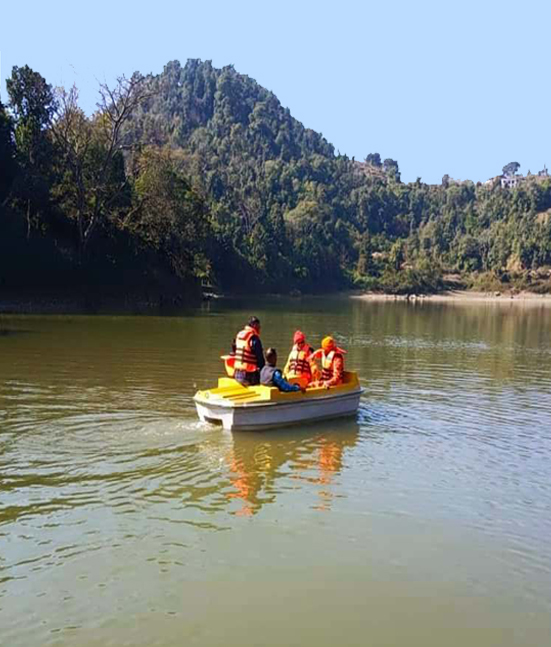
254,408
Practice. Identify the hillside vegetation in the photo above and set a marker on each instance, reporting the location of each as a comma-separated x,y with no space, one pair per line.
200,175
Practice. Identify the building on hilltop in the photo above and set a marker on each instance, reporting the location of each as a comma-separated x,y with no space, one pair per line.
510,181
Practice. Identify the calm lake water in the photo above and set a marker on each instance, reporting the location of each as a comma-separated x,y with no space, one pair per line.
424,522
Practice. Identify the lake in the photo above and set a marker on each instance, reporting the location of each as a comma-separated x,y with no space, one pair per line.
425,521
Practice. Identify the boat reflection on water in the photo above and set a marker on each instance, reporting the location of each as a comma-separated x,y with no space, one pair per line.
261,466
329,463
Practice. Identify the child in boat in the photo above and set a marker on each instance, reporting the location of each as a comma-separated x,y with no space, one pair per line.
272,376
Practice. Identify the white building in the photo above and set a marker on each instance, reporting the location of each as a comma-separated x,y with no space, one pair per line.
510,181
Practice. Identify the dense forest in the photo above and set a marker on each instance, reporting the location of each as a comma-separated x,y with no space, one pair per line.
198,176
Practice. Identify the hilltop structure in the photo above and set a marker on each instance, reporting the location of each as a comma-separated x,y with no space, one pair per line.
511,180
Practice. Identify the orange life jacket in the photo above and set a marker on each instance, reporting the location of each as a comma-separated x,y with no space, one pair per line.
327,361
245,358
298,364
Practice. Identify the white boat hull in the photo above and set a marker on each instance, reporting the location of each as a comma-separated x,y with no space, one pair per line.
258,416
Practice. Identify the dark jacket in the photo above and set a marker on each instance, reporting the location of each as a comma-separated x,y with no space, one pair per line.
272,376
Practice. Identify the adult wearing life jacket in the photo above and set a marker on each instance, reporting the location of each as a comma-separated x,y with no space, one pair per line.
299,368
249,356
332,363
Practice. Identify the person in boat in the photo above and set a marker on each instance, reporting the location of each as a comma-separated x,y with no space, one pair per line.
249,355
332,363
272,376
300,369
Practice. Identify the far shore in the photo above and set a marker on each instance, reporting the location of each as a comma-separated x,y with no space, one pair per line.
462,296
65,304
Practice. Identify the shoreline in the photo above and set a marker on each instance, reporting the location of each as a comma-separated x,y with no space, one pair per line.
140,304
462,296
94,302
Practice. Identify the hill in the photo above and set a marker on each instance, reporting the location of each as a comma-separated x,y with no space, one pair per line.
201,174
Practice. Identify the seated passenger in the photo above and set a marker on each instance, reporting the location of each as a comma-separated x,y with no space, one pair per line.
272,376
299,368
332,363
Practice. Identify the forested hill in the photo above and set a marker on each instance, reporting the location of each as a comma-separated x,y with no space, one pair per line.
197,105
295,214
269,181
200,175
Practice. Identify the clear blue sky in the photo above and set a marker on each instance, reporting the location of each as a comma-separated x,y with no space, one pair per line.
443,87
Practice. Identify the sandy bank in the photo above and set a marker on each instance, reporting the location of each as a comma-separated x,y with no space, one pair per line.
464,296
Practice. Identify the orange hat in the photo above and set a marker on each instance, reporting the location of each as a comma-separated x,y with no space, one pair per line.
328,344
298,337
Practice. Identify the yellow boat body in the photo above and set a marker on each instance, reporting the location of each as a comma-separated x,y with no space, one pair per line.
255,407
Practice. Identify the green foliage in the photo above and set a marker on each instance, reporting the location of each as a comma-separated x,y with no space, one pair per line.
203,172
91,185
168,215
390,167
485,282
31,102
7,153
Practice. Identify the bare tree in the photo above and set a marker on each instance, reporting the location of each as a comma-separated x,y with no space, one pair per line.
89,148
72,133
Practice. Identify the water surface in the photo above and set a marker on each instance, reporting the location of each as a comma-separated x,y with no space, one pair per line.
425,521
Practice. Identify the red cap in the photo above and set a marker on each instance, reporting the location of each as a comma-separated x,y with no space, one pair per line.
298,337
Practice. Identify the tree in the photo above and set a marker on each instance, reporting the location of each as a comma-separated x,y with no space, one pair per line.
511,168
390,167
446,181
7,153
167,213
94,180
374,159
32,103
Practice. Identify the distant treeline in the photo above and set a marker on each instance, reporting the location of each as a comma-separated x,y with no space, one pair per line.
199,175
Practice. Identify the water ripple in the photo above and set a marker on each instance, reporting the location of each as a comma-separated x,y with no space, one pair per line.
106,473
